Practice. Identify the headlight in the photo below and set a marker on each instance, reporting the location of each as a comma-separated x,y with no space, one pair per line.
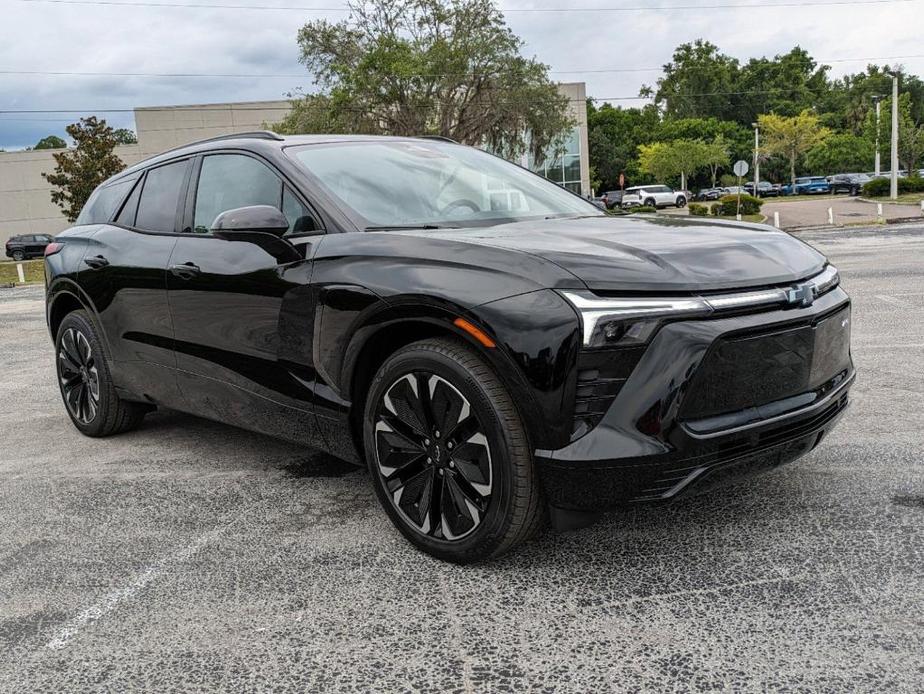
619,322
626,321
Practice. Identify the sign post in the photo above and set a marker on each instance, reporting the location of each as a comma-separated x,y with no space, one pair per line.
741,170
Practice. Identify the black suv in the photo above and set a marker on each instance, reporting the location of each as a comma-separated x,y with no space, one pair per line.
490,344
27,246
852,184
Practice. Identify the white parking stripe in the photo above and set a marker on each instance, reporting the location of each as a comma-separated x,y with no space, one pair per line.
892,300
113,599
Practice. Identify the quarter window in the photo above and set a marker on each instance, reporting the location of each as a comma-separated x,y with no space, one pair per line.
159,199
103,202
229,181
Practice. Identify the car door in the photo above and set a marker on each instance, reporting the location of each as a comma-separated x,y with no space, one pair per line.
123,272
242,310
665,196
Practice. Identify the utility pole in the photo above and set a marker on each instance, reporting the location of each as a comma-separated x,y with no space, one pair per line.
756,158
878,101
893,191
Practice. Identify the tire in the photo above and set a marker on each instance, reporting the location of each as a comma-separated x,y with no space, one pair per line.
18,255
650,202
85,381
422,483
681,202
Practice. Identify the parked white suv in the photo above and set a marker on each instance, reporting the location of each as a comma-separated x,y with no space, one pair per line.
654,196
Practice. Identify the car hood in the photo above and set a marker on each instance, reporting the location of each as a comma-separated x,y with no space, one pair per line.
657,253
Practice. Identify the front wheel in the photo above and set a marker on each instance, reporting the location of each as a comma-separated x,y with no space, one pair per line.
86,385
18,255
448,453
650,202
681,201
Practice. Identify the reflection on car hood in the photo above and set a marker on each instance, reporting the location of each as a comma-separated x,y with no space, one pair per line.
657,253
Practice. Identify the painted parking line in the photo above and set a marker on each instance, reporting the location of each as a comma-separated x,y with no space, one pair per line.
885,298
113,599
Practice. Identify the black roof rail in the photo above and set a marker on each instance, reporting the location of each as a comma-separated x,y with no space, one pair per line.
442,138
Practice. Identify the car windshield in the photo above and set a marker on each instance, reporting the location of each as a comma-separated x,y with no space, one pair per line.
399,183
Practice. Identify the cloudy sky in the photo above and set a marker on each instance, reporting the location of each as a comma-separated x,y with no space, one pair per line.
42,36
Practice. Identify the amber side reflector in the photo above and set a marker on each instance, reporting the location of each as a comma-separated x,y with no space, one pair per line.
475,332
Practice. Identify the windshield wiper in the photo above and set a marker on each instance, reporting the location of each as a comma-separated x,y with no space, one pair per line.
398,227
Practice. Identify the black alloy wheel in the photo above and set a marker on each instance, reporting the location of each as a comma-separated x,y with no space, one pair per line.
79,376
18,255
650,202
86,384
448,453
681,201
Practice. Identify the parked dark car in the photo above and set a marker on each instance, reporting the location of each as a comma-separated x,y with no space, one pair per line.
765,189
852,184
490,344
613,199
27,246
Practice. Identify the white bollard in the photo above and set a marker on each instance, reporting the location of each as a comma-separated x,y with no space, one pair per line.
738,217
831,216
22,275
879,211
776,219
922,206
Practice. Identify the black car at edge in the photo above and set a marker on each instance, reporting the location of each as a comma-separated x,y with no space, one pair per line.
27,246
497,350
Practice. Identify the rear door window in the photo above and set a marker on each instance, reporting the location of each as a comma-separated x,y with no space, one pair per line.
157,208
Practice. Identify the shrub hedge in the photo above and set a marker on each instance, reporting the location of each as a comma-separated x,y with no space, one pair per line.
698,210
727,206
644,208
880,187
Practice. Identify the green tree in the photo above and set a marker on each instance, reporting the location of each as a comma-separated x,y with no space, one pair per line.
78,171
124,136
697,83
910,133
50,142
791,137
666,160
614,135
439,67
841,152
716,156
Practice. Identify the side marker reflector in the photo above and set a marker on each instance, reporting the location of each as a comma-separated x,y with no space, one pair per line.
475,332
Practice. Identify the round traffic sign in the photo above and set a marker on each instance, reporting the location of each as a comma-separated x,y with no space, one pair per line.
741,168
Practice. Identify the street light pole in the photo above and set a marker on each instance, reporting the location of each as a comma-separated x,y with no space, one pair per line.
878,101
893,190
756,159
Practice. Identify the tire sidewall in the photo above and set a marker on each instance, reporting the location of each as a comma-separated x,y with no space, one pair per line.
81,321
18,256
492,529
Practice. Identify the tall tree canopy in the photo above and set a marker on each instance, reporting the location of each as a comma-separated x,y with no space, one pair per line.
78,171
50,142
793,137
440,67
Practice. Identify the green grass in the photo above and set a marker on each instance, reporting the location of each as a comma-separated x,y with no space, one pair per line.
34,270
903,199
803,198
754,218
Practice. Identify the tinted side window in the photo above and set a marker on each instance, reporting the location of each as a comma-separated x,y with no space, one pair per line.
228,181
104,202
300,219
127,215
159,198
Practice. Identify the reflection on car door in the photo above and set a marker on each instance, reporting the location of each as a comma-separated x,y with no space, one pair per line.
124,273
237,304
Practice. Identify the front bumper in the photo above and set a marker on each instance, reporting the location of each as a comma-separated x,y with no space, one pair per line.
646,449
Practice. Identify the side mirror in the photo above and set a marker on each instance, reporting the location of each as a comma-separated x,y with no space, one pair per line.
261,225
264,219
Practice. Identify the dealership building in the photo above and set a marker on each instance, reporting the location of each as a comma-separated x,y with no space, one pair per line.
25,196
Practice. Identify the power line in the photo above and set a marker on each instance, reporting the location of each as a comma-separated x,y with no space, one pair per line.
95,73
511,10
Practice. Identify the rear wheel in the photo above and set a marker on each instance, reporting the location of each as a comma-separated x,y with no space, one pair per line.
650,202
681,201
86,385
18,255
448,453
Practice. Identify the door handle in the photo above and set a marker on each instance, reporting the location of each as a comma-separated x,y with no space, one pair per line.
96,262
185,271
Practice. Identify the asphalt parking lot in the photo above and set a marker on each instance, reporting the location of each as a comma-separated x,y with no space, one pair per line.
189,556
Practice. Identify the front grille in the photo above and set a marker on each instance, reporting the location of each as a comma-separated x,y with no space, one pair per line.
758,369
601,375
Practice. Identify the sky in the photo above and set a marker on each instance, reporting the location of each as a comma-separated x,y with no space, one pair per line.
63,36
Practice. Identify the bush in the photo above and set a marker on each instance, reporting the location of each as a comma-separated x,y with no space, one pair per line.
880,187
715,209
729,205
644,208
698,210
